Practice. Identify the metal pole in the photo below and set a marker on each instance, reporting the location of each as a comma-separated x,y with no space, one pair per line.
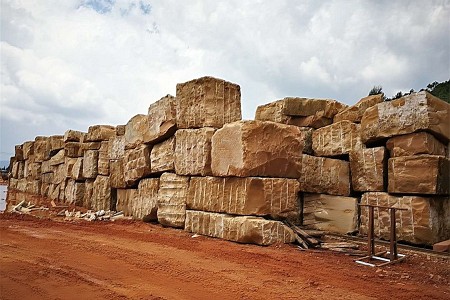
393,237
371,233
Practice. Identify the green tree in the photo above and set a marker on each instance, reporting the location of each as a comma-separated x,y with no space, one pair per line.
377,89
440,90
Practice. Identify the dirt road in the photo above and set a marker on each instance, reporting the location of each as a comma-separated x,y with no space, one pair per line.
45,259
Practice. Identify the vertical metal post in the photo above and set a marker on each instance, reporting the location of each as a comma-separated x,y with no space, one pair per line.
393,236
371,233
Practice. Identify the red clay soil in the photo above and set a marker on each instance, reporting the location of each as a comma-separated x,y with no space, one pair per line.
47,259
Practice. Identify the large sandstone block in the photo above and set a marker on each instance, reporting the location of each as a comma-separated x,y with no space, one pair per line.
33,187
69,163
275,197
99,133
116,147
162,120
28,149
54,144
135,130
249,230
101,196
193,151
103,159
74,192
90,164
423,174
414,144
334,214
369,169
117,177
172,196
58,158
41,152
32,170
416,112
77,169
325,175
137,164
207,102
125,200
56,191
336,139
18,152
162,156
426,221
120,130
73,149
73,136
355,112
59,174
146,204
256,148
88,193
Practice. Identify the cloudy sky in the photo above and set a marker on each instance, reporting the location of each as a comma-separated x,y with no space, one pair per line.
73,63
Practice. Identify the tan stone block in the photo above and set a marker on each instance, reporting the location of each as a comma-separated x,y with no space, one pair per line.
90,164
28,149
423,174
315,121
325,175
74,192
256,148
416,112
207,102
162,120
162,156
355,112
69,163
336,214
47,177
56,191
99,133
172,194
120,130
125,200
77,169
88,193
15,169
101,196
277,197
135,130
426,220
55,143
116,147
32,170
59,174
73,136
33,187
73,149
117,177
58,158
41,151
336,139
46,167
103,159
369,169
90,146
193,151
414,144
145,205
18,152
137,164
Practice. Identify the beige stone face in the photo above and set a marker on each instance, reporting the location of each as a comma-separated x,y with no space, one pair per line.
117,177
90,164
277,197
120,130
336,139
135,130
32,170
336,214
424,174
424,222
256,148
88,193
162,156
74,192
414,144
58,158
77,169
116,147
355,112
126,199
69,163
33,187
304,107
369,169
162,120
101,196
207,102
55,143
416,112
99,133
73,136
137,164
249,230
28,149
73,149
59,174
103,158
41,152
172,194
193,151
146,204
325,175
18,152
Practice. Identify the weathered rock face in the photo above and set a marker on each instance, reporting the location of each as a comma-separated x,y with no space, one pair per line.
90,164
424,174
325,175
146,204
41,152
54,144
416,112
77,169
18,152
73,136
116,176
137,164
69,163
28,149
32,170
116,147
335,214
277,197
369,169
103,159
74,193
162,120
73,149
414,144
250,230
101,196
162,156
336,139
120,130
355,112
90,146
315,121
99,133
135,130
255,148
193,151
173,190
126,199
58,158
88,193
425,222
207,102
59,174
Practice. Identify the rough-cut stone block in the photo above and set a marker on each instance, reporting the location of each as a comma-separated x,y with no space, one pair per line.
355,112
59,174
336,139
88,193
28,149
74,193
414,144
73,149
146,204
117,178
18,152
116,147
77,169
137,164
162,156
426,220
58,158
47,177
69,163
55,143
90,164
325,175
315,121
443,246
416,112
41,152
335,214
249,230
103,159
120,130
56,191
207,102
73,136
90,146
256,148
125,200
277,197
162,120
173,190
369,169
135,130
99,133
193,151
424,174
32,170
101,196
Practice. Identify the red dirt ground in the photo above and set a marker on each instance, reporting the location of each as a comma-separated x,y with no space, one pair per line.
47,259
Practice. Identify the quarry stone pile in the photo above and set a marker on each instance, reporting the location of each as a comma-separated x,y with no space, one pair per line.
190,162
